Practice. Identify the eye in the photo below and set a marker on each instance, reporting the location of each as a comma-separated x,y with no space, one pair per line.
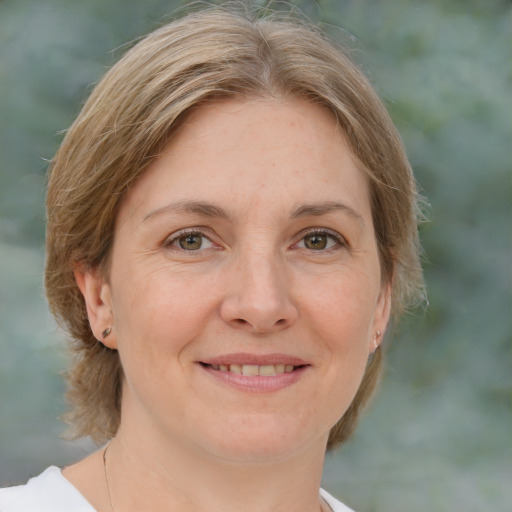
321,241
189,241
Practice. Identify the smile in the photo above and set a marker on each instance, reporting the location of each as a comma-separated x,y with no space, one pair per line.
256,373
253,370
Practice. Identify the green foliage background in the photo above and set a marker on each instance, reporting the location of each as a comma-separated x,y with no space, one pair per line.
438,438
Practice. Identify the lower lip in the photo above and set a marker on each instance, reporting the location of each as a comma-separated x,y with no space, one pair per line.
257,383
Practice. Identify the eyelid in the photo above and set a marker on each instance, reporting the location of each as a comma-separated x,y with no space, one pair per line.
168,242
197,230
340,239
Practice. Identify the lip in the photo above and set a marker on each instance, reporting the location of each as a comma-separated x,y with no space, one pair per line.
255,384
260,360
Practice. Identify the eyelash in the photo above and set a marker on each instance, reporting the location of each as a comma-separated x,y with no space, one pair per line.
175,237
340,241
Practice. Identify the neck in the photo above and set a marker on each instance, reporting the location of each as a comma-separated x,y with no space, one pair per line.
163,475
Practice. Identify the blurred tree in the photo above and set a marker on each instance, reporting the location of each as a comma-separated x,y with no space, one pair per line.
443,69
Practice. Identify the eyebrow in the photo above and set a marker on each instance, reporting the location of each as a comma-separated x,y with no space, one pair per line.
205,209
201,208
319,209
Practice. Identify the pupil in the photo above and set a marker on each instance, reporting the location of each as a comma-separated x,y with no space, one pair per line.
316,242
190,242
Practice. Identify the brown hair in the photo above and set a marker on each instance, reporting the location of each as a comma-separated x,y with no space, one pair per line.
134,110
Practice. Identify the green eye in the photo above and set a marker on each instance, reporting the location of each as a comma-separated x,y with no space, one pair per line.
316,241
321,241
190,242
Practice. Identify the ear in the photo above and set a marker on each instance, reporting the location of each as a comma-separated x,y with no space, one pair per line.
381,316
98,301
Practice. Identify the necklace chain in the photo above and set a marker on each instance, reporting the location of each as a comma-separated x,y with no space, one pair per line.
323,505
106,476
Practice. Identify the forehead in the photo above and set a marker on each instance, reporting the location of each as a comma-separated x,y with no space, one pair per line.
244,152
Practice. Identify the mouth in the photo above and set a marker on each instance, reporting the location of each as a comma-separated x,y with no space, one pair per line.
256,373
253,370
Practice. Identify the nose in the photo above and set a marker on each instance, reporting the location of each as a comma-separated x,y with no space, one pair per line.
259,298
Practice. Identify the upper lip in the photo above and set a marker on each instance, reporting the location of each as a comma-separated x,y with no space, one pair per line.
254,359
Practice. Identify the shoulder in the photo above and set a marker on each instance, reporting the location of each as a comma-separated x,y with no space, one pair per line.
51,492
335,505
48,492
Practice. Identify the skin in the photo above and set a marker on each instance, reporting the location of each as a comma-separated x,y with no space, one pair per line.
270,275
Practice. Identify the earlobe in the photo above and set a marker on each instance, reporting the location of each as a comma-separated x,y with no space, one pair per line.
98,300
382,315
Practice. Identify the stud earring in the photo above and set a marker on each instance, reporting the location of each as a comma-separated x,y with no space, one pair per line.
376,336
106,332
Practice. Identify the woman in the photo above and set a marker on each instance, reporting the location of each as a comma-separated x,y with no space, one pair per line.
231,225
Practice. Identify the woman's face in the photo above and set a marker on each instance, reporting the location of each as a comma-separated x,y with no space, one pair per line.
245,286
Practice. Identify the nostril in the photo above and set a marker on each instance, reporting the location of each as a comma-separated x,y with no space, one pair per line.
241,322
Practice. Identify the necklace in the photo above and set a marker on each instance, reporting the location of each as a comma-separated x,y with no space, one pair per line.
323,505
106,476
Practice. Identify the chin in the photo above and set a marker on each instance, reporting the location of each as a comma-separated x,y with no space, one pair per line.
263,443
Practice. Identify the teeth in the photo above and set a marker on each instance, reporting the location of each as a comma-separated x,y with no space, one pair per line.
250,369
267,370
235,368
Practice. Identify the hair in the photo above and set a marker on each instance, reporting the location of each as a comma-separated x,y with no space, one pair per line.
210,55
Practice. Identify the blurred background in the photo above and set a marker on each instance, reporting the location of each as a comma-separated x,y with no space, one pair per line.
439,435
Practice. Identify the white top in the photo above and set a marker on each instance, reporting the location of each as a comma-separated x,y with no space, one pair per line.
52,492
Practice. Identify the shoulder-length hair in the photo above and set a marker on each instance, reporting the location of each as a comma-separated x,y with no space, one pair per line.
131,115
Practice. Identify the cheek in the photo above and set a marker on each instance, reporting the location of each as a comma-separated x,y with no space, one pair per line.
341,324
342,310
157,317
